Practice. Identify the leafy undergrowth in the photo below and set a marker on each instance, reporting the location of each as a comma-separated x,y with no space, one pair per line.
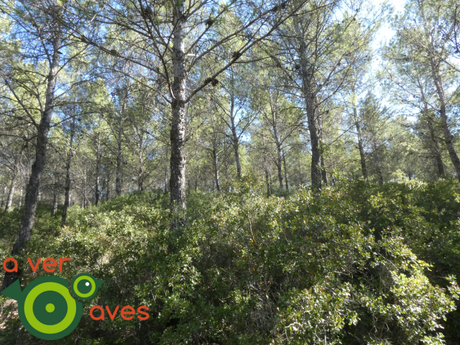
359,264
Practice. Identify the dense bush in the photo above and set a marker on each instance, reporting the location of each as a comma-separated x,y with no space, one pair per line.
359,264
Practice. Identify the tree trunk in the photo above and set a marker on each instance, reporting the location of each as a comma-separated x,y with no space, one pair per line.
107,192
21,193
286,183
32,191
360,139
434,141
320,135
179,115
55,200
9,198
278,150
67,174
119,156
140,175
314,140
279,165
3,199
215,166
84,189
361,151
309,96
436,150
98,168
442,112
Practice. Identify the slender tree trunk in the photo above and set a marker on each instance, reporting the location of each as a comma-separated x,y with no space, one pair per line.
320,135
279,166
278,150
434,141
214,151
442,112
286,183
216,168
267,181
3,199
314,140
360,139
107,192
267,175
361,151
178,123
98,168
9,198
55,198
140,175
119,156
21,193
436,151
235,139
84,189
67,174
30,204
236,148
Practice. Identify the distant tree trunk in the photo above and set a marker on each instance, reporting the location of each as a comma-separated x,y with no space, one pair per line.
178,124
320,135
235,142
140,174
434,141
3,199
361,151
30,204
214,150
267,181
279,167
107,192
84,189
9,198
278,152
285,172
267,175
119,156
436,150
442,112
21,193
215,166
98,168
55,198
67,174
360,139
323,170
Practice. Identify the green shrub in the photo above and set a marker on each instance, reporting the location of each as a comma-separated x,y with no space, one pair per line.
344,267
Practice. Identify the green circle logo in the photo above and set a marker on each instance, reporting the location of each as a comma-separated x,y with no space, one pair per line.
84,286
46,308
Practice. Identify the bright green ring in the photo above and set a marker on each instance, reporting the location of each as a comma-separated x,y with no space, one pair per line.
84,295
41,327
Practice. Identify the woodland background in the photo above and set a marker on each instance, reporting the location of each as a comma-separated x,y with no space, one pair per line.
253,171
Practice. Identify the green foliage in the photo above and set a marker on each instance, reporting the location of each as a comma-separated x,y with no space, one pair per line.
360,263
